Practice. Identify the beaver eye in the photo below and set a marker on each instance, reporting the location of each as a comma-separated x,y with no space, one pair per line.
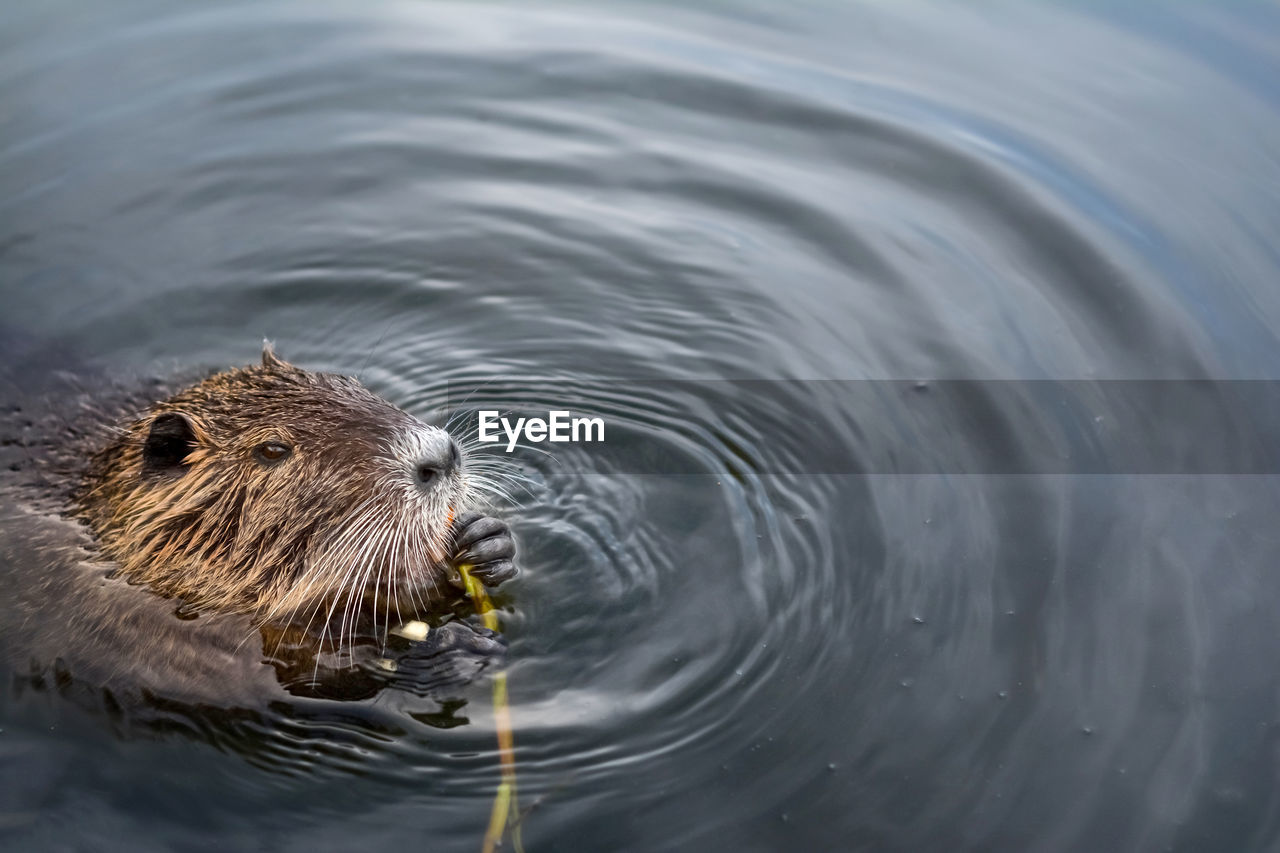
271,452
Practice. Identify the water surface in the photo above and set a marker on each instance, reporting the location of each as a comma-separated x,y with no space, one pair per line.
718,641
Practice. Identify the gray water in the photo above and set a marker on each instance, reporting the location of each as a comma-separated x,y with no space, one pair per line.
719,640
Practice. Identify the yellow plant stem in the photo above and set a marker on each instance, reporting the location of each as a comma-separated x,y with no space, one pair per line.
506,811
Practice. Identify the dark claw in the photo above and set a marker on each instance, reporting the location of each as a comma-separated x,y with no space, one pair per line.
473,527
492,574
451,657
485,544
487,550
456,636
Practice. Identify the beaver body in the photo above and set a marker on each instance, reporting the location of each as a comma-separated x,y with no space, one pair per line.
258,533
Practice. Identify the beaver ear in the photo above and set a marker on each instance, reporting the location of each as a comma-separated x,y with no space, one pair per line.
169,441
269,358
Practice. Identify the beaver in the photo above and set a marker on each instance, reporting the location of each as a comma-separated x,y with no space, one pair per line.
267,501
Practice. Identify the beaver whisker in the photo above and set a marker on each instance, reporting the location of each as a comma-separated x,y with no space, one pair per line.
491,463
472,443
337,596
312,573
460,408
513,481
492,488
382,561
525,446
364,517
494,463
420,558
405,543
389,564
511,485
359,572
383,556
367,585
391,601
490,450
299,592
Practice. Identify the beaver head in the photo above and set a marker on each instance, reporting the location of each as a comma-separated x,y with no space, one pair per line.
274,490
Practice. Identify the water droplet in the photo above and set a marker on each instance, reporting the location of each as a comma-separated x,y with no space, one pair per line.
831,766
1003,694
919,620
1087,730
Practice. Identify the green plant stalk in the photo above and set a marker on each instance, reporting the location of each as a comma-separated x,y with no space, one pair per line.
506,810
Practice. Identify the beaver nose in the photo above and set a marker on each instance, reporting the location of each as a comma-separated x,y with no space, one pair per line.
437,463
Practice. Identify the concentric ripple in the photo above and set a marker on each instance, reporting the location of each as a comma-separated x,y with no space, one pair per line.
802,596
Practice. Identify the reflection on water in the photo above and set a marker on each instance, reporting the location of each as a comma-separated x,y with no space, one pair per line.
718,641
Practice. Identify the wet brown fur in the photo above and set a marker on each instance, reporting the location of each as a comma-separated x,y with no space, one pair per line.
334,522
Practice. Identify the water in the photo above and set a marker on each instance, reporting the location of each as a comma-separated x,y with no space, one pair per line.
719,641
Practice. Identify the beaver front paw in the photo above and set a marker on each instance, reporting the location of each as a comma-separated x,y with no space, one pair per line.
484,543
